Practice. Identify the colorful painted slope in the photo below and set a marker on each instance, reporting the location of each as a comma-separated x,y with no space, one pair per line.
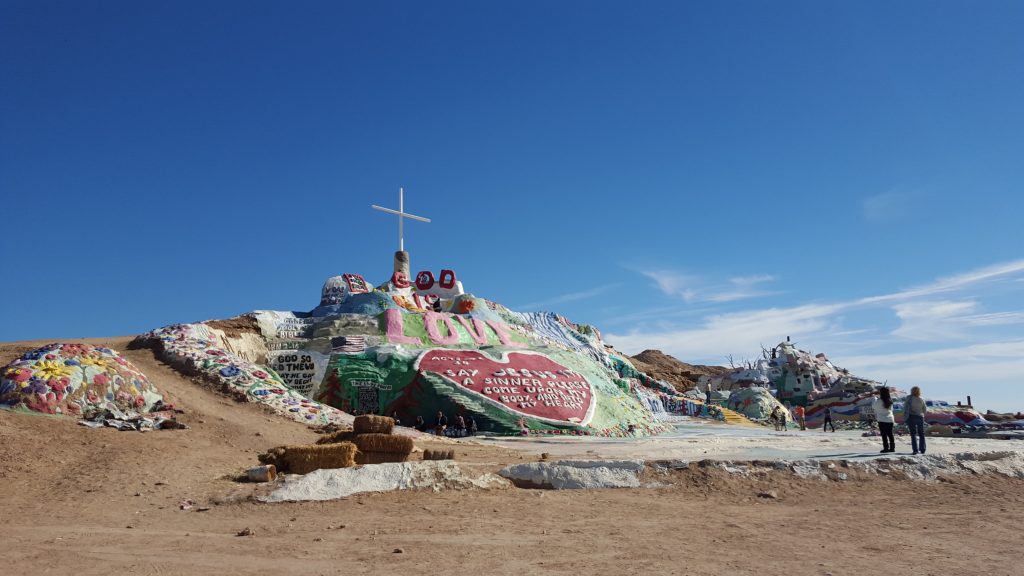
76,379
195,350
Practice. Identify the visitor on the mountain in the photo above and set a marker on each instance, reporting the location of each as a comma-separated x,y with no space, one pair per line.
828,419
440,423
799,411
883,414
472,425
914,408
460,426
420,424
394,416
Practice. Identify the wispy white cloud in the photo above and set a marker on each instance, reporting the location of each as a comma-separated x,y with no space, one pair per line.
921,319
990,372
928,345
888,206
570,297
674,283
722,334
697,289
946,320
952,283
928,320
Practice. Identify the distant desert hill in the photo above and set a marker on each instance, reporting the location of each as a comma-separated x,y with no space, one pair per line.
683,376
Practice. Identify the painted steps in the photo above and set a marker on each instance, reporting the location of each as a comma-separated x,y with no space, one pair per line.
733,417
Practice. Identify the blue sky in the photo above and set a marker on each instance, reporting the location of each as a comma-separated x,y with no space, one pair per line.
701,178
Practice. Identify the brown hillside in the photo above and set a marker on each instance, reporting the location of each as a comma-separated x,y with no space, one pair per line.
683,376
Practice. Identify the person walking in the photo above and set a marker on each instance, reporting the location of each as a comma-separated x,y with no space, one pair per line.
914,408
828,419
800,414
883,414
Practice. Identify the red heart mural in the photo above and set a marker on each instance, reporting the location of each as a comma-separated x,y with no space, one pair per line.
528,383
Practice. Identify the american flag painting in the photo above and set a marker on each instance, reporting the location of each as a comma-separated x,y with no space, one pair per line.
348,344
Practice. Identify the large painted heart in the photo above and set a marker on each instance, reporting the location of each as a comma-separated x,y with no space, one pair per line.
527,383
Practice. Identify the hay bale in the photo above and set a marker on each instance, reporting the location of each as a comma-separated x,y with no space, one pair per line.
383,443
380,457
305,459
439,454
273,456
370,424
335,437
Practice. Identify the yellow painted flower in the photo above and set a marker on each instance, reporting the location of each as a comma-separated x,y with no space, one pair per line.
94,360
50,369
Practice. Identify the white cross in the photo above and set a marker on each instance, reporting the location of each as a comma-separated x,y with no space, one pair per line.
401,214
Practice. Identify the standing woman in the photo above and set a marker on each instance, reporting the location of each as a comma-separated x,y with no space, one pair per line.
915,409
883,414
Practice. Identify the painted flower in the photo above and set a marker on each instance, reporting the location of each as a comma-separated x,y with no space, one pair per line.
46,403
261,374
230,371
48,369
73,350
33,355
466,306
260,392
139,401
101,380
215,352
94,360
72,362
121,361
60,384
277,391
106,351
18,374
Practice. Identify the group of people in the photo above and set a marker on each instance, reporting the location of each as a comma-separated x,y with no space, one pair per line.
914,411
780,416
457,427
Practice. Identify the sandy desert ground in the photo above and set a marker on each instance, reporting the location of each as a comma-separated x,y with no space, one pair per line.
82,501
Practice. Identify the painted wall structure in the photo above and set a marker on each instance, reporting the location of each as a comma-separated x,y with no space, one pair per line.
418,346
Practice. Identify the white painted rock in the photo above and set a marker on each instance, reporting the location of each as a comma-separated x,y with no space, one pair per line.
576,474
330,484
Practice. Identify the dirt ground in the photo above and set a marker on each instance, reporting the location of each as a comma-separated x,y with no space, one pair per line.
82,501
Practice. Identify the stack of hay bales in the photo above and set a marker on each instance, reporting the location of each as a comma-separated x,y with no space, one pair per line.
305,459
376,443
372,436
370,442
